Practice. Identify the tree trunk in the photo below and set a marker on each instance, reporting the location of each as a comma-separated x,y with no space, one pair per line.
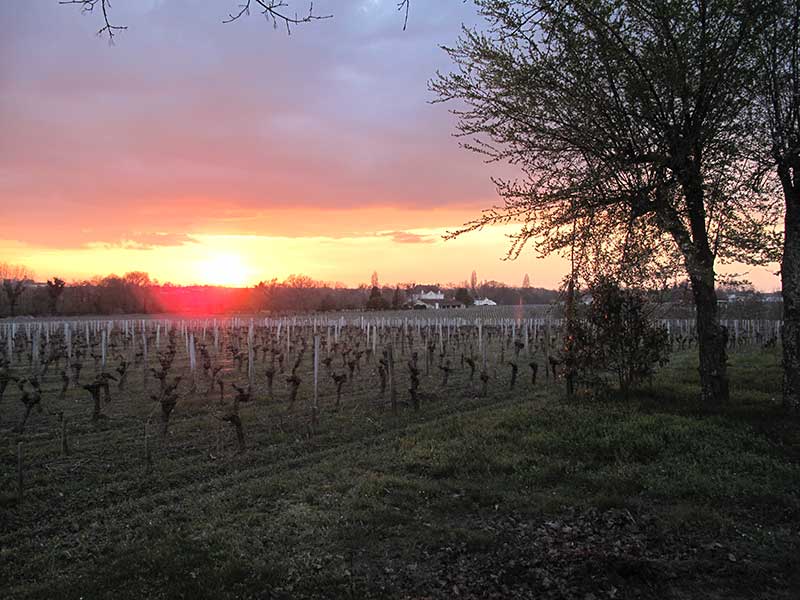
711,340
790,284
699,260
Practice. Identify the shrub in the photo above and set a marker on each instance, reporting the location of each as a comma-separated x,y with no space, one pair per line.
615,339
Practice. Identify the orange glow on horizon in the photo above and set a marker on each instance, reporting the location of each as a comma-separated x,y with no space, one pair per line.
399,256
228,270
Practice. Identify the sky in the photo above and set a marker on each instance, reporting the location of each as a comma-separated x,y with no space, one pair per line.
213,153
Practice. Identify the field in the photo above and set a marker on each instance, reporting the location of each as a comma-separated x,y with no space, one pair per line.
484,491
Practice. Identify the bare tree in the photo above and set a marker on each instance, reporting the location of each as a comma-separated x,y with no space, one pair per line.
14,272
277,11
266,293
300,286
404,5
274,11
15,279
88,6
55,288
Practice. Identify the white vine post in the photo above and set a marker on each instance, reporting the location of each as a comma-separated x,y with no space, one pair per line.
316,375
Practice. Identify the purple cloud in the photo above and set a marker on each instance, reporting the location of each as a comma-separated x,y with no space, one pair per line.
187,120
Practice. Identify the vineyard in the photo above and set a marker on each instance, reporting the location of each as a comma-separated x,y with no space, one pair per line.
272,457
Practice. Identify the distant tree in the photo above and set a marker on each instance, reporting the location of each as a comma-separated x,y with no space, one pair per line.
13,289
376,300
327,303
462,295
15,272
137,278
300,282
526,281
55,288
114,297
397,298
265,291
15,279
300,288
138,283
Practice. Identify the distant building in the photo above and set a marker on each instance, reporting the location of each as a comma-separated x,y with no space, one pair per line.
435,299
484,302
427,299
430,296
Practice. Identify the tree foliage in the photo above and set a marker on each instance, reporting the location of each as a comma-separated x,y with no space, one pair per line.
613,111
625,119
777,120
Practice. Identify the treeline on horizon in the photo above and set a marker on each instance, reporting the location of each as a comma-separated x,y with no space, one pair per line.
137,293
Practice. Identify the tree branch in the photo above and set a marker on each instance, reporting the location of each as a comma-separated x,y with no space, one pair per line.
404,4
271,9
88,6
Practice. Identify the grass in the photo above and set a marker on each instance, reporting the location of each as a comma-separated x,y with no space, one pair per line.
513,495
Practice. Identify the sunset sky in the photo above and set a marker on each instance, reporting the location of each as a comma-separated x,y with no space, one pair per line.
204,152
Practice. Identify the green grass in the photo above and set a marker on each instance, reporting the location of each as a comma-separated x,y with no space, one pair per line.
516,495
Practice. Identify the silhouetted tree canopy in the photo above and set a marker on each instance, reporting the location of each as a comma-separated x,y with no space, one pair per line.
627,122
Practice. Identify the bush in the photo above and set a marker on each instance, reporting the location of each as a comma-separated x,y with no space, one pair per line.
614,339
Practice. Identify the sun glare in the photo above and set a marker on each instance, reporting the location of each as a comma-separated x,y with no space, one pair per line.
224,269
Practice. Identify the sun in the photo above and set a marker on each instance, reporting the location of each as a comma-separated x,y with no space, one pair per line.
224,269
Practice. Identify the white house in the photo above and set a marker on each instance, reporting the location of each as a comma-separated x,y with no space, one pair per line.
484,302
431,296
